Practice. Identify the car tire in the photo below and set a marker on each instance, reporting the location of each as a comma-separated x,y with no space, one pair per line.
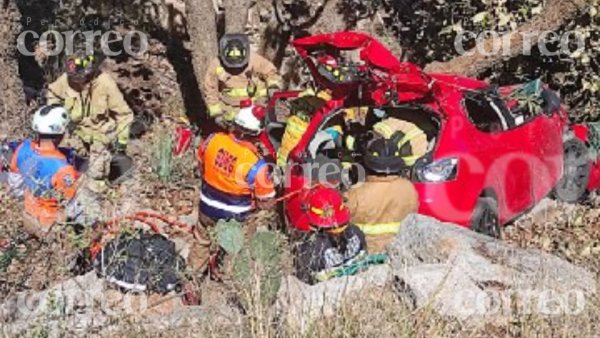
485,218
572,187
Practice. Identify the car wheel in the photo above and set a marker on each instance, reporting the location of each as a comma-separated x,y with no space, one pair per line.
485,218
572,187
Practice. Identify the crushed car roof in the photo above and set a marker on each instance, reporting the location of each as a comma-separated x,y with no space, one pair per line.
388,78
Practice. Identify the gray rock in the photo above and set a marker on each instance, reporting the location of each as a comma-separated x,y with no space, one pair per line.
67,304
83,305
299,304
465,275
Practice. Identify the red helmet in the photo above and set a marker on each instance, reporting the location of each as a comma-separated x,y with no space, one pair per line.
259,111
246,103
328,60
325,208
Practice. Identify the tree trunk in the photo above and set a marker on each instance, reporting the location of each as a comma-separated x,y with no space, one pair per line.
236,15
12,102
202,28
474,62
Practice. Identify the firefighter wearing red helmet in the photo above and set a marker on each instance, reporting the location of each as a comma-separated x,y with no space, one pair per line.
333,241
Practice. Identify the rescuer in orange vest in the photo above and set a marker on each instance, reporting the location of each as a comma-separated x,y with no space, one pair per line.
235,181
49,180
235,177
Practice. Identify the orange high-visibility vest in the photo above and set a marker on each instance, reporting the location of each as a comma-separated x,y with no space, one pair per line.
48,179
233,174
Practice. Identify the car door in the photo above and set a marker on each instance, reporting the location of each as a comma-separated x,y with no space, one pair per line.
546,137
509,152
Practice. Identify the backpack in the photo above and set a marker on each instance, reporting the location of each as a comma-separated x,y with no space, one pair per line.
141,262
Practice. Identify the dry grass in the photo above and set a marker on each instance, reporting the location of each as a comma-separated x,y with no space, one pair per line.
571,232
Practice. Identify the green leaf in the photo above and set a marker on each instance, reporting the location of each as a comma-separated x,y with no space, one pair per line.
230,236
264,246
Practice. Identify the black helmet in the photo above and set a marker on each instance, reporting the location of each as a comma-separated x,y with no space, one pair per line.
234,50
382,155
82,66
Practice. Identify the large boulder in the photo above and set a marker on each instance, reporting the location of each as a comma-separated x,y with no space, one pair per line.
84,304
299,304
464,275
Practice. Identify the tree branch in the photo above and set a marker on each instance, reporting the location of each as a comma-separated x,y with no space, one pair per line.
474,62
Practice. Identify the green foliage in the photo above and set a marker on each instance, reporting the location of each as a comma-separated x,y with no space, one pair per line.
230,236
9,254
529,97
6,258
256,269
163,156
427,31
594,149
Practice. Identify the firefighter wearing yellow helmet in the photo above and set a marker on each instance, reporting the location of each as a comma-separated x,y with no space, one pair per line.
100,116
236,75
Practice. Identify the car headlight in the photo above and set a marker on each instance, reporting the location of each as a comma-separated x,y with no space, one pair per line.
438,171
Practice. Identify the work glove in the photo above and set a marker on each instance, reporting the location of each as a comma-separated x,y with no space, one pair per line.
229,116
380,113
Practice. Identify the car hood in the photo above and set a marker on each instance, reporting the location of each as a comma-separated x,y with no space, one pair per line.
387,78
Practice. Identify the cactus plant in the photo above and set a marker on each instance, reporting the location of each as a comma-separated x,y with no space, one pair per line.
256,268
163,157
259,261
230,236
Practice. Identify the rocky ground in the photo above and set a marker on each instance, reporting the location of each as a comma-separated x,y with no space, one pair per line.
571,232
566,230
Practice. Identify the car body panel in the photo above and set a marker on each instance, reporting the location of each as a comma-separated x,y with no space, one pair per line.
518,166
582,132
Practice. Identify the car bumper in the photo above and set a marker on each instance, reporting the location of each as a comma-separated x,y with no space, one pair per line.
447,201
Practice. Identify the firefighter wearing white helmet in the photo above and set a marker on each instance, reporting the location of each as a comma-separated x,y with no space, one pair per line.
50,120
236,179
48,178
248,121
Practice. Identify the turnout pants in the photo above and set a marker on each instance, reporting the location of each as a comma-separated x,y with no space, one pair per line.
99,157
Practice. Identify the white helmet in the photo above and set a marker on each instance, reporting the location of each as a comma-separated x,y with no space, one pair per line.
246,119
50,120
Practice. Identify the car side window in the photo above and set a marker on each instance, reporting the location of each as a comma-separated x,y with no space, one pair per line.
486,113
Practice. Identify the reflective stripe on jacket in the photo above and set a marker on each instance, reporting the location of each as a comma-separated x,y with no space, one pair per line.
224,90
413,144
381,203
379,228
233,174
99,112
48,179
294,130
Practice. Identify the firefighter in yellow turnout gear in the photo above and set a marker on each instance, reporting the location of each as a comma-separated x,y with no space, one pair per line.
98,111
237,74
381,203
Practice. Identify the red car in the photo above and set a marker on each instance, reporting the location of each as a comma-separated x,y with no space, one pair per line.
490,159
